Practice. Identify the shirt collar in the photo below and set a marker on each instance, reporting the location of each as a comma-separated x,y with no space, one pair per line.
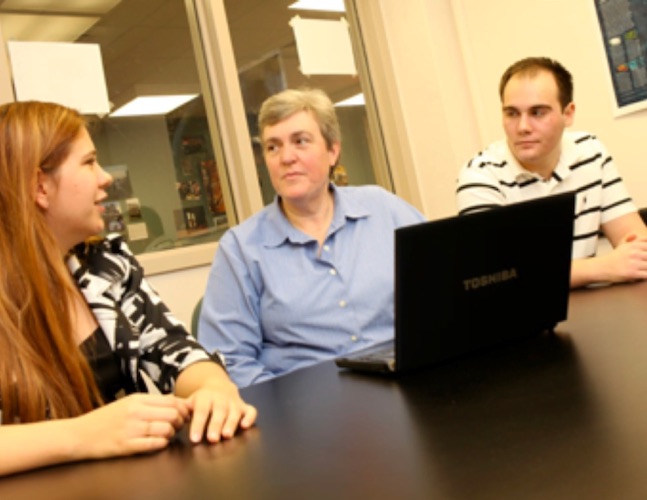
561,172
92,268
279,229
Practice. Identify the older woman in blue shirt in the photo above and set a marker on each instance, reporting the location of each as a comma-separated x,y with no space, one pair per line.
310,276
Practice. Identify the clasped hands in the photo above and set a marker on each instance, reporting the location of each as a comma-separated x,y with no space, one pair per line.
143,422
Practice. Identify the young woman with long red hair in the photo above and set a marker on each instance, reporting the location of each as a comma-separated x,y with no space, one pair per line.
83,337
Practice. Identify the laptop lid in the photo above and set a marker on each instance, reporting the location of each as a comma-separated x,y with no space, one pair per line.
471,281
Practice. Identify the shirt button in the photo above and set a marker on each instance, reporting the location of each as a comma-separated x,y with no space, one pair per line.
326,248
342,303
353,338
333,272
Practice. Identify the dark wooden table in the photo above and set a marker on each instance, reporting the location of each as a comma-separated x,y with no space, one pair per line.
556,416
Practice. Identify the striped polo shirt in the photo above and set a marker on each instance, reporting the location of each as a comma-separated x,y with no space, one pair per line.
494,177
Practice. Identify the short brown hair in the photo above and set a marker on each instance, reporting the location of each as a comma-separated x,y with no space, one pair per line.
531,66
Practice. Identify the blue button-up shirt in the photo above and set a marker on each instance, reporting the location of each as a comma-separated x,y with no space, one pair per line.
275,303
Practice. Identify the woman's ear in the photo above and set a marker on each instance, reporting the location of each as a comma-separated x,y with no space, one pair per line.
43,190
333,154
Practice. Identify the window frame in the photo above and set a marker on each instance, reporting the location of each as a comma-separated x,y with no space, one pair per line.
234,157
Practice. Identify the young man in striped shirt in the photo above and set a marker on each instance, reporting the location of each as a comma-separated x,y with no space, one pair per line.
539,158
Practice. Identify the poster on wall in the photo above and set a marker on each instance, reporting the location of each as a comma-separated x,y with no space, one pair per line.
623,26
113,217
120,189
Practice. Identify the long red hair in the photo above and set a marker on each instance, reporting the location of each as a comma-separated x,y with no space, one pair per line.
43,373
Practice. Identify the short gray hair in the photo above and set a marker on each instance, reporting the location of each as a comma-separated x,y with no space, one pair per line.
280,106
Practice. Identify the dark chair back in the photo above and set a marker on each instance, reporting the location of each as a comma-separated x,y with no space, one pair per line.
195,318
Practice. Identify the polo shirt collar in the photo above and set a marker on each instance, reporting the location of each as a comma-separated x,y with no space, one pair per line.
561,172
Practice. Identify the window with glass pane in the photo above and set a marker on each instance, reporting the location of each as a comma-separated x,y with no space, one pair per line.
168,181
267,58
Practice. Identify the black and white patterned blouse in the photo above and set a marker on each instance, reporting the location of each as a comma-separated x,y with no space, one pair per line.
150,344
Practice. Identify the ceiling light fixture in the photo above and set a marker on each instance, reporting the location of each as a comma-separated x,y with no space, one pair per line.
152,105
356,100
321,5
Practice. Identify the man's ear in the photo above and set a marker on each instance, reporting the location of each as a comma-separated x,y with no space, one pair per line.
43,190
569,114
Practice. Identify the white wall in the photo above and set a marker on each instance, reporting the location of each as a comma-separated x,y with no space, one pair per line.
181,290
422,95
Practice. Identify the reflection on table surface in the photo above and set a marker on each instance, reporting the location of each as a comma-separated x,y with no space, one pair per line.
554,416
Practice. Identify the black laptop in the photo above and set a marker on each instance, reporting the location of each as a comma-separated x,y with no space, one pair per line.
472,281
